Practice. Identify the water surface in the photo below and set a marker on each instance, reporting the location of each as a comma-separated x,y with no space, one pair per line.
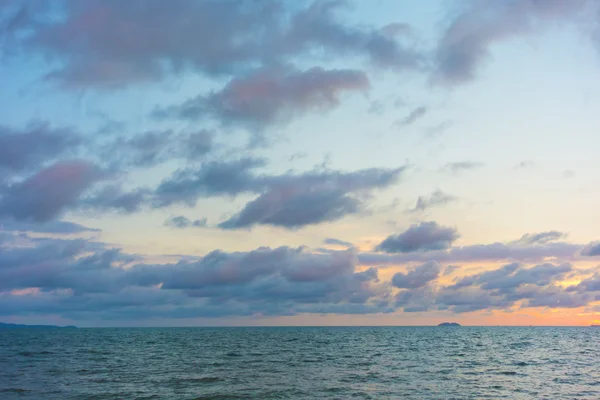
301,363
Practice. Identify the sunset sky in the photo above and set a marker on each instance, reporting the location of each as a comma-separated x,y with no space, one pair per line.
381,162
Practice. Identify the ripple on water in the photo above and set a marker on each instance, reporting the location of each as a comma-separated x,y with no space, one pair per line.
300,363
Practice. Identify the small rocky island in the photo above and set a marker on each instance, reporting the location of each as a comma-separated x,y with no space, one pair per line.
449,324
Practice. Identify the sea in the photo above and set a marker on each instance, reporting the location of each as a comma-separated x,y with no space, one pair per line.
301,363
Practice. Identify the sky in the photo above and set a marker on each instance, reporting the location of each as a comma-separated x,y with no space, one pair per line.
329,162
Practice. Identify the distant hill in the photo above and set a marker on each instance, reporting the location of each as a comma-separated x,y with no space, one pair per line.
449,324
21,326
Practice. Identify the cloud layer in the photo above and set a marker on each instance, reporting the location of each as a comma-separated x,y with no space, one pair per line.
88,281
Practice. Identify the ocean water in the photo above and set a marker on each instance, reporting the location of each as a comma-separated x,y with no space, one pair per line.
301,363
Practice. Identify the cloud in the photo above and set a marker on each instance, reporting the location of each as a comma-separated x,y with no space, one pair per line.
591,250
413,116
88,281
28,148
512,285
541,237
337,242
288,200
272,96
294,201
295,207
218,178
107,283
181,222
449,269
460,166
417,277
438,129
466,43
512,276
154,147
437,198
480,252
525,164
54,227
426,236
50,191
113,197
209,37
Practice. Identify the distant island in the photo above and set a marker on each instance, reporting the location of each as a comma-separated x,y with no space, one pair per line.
449,324
21,326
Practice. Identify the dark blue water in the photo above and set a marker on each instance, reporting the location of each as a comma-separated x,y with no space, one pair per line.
301,363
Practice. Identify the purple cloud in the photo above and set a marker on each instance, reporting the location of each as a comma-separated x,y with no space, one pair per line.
426,236
111,43
28,148
591,250
479,252
272,96
467,41
437,198
181,222
47,193
417,277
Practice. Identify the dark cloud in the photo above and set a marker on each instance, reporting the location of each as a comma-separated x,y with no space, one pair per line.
417,277
294,201
413,116
480,252
150,148
426,236
479,25
437,198
211,37
87,281
272,96
28,148
591,250
50,191
219,178
502,288
288,200
449,269
468,300
416,300
460,166
541,237
337,242
55,227
591,284
181,222
512,276
294,208
555,297
113,197
108,283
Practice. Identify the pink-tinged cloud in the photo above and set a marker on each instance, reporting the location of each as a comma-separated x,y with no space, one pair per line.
114,43
25,292
272,96
49,192
467,40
